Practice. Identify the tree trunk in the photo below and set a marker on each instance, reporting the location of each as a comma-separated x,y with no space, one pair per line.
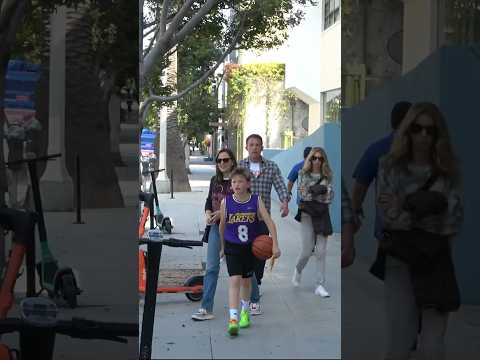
175,151
176,155
87,125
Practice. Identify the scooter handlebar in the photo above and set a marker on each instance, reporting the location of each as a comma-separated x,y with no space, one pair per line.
35,159
172,242
152,171
77,328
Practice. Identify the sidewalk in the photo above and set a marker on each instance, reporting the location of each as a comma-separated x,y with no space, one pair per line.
295,324
104,252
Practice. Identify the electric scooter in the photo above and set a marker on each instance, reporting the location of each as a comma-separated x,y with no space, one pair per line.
154,253
59,282
152,210
39,325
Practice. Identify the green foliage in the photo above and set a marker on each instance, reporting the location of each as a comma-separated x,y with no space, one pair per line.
243,80
113,34
265,25
151,121
196,110
32,36
115,38
200,106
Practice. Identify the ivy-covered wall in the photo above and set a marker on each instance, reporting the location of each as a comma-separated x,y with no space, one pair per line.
257,103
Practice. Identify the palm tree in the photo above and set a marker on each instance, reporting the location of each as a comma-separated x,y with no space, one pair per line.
175,146
86,112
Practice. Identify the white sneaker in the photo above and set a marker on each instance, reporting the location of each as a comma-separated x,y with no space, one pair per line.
320,290
255,309
202,315
296,278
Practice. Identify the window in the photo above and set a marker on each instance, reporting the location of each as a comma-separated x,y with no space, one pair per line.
331,12
331,105
461,22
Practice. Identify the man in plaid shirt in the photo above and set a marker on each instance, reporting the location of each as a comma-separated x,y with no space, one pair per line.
265,173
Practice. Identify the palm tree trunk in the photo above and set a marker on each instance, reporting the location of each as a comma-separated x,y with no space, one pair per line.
175,150
87,126
176,155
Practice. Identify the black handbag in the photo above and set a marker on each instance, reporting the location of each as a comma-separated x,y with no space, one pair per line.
429,255
317,188
410,245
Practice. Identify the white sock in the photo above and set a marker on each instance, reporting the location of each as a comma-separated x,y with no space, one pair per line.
245,304
233,314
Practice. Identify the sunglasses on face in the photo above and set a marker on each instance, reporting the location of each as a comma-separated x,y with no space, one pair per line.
224,160
431,130
315,158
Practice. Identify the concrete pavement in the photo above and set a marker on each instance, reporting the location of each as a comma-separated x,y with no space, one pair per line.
295,324
104,252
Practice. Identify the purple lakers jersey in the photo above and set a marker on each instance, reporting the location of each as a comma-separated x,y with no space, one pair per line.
241,220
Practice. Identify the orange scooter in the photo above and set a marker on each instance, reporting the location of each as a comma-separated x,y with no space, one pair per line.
193,286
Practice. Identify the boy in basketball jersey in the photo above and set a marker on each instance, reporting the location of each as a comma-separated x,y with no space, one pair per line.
239,215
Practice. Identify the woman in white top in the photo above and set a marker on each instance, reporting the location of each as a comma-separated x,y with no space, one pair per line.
421,156
316,192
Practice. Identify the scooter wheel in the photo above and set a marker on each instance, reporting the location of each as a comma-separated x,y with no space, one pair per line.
69,290
193,281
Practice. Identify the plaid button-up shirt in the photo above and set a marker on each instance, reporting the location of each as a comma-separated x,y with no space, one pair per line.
262,184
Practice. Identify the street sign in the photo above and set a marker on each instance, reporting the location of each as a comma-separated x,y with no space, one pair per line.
147,140
21,81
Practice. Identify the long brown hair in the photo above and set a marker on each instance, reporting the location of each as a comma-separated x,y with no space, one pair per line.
444,160
325,169
218,173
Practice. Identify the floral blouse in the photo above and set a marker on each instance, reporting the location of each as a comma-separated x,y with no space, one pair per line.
308,179
400,184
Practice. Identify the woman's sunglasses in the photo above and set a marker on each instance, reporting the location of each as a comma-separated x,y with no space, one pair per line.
224,160
315,158
417,129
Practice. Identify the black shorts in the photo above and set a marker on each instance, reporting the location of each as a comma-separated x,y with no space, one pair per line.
240,260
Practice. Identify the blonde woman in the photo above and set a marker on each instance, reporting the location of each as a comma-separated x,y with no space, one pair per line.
315,188
419,199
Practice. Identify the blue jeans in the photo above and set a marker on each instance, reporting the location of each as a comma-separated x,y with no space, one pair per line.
213,268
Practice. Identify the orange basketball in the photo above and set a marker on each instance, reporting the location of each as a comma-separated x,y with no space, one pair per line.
262,247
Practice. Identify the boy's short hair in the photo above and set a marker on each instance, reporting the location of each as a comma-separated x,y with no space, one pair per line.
241,171
254,136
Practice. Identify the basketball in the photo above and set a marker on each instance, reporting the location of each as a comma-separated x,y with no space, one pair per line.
262,247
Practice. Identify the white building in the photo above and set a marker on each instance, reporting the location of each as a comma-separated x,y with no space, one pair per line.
330,61
312,59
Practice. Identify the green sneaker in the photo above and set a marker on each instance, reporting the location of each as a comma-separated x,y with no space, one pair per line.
244,319
233,327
